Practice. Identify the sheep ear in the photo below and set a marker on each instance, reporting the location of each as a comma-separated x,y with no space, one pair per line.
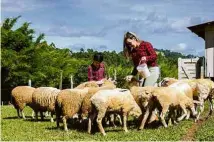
147,91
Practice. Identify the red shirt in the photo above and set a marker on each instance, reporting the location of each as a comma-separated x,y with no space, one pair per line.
145,49
96,74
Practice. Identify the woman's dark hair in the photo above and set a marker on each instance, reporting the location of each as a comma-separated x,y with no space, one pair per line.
98,57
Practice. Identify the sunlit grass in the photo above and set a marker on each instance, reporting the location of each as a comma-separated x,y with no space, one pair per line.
28,130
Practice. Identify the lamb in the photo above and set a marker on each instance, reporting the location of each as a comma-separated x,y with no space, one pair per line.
44,99
166,98
117,101
22,96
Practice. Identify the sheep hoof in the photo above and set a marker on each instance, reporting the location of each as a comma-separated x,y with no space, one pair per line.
104,134
126,130
52,120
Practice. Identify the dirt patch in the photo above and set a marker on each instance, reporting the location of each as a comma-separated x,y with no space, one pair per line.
189,136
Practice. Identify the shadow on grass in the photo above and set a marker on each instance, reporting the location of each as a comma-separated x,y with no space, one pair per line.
153,125
16,117
12,117
39,120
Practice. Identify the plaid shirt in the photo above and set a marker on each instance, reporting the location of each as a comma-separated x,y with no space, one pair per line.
96,74
145,49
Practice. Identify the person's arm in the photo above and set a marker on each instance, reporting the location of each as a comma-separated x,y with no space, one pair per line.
90,76
152,56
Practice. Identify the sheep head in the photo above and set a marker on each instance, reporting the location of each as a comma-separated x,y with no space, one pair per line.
168,81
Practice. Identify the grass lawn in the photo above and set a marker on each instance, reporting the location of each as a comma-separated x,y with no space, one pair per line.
13,128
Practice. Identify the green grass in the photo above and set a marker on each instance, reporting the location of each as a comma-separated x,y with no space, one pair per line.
13,128
206,131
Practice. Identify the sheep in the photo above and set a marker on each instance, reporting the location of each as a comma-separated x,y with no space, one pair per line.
44,99
116,100
201,90
68,103
166,98
67,108
87,84
137,91
22,96
86,105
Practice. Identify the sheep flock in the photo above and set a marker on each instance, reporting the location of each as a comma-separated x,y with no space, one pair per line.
170,102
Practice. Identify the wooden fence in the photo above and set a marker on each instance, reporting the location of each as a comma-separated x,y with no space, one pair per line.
187,68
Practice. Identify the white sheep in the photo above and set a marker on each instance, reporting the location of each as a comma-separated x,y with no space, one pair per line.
116,100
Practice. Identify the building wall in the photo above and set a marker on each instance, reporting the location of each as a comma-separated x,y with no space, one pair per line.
209,51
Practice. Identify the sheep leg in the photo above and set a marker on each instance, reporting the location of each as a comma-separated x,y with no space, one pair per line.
153,116
32,115
52,120
144,119
18,113
65,123
184,114
125,122
112,119
41,114
211,106
23,115
174,117
100,116
188,115
119,118
170,115
36,115
201,109
90,121
163,114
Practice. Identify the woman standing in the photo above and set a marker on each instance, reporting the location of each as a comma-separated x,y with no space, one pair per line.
141,52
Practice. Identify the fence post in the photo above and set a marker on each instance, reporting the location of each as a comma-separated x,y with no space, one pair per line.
202,72
72,83
29,82
60,84
179,68
115,74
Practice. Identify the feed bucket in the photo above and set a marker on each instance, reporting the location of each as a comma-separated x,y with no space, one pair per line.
143,70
